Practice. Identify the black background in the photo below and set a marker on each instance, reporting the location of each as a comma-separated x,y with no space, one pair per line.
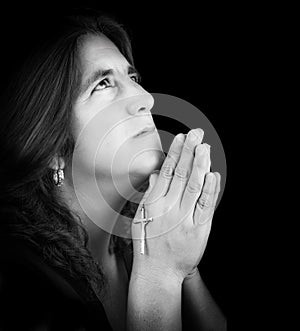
173,50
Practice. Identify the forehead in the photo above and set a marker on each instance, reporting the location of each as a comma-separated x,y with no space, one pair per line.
97,51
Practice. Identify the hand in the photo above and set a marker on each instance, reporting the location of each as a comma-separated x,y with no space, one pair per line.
181,201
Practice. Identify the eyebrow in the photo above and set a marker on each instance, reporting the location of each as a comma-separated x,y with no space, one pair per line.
99,73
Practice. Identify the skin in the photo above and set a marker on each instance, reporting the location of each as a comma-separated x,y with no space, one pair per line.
164,282
107,115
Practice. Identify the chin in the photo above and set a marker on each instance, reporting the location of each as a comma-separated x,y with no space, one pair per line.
144,164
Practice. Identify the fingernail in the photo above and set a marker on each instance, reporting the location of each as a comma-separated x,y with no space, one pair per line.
200,132
180,137
192,136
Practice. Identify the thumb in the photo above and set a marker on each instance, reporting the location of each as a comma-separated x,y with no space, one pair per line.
152,181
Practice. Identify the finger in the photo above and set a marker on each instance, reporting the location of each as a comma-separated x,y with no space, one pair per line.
217,188
194,186
184,167
204,206
167,169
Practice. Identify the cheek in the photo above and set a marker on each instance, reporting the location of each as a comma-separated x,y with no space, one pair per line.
100,141
114,149
93,134
97,146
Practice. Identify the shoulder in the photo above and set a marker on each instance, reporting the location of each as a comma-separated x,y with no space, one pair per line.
34,295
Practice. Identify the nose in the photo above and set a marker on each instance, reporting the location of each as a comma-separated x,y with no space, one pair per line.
142,102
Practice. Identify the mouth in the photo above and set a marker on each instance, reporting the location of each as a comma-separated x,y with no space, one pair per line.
145,131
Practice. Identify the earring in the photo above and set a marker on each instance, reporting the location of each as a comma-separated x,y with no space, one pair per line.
58,177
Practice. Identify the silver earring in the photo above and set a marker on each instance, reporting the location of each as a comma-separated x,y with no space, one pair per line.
58,177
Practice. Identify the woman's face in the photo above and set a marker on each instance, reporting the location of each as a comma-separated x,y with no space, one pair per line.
111,109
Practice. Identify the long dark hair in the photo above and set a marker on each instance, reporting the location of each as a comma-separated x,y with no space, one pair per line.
36,117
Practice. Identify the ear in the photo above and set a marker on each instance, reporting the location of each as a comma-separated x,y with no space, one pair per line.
57,162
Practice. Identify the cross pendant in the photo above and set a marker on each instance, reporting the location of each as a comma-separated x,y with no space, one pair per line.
143,222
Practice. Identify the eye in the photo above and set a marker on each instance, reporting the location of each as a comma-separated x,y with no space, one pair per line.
136,78
103,84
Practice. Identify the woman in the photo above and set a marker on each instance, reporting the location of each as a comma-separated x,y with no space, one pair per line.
72,117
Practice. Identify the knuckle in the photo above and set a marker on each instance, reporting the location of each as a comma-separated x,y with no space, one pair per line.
181,172
166,171
204,201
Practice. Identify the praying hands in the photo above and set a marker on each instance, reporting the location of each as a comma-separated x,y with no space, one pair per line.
180,202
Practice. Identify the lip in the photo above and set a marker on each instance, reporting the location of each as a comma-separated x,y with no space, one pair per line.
145,131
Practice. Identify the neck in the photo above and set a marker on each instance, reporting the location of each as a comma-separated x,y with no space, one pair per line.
99,207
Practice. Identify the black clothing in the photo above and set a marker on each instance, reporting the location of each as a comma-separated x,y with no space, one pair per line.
34,296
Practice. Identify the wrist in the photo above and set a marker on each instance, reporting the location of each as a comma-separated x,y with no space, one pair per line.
161,276
154,299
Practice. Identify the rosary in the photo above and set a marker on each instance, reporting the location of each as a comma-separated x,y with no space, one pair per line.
144,221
